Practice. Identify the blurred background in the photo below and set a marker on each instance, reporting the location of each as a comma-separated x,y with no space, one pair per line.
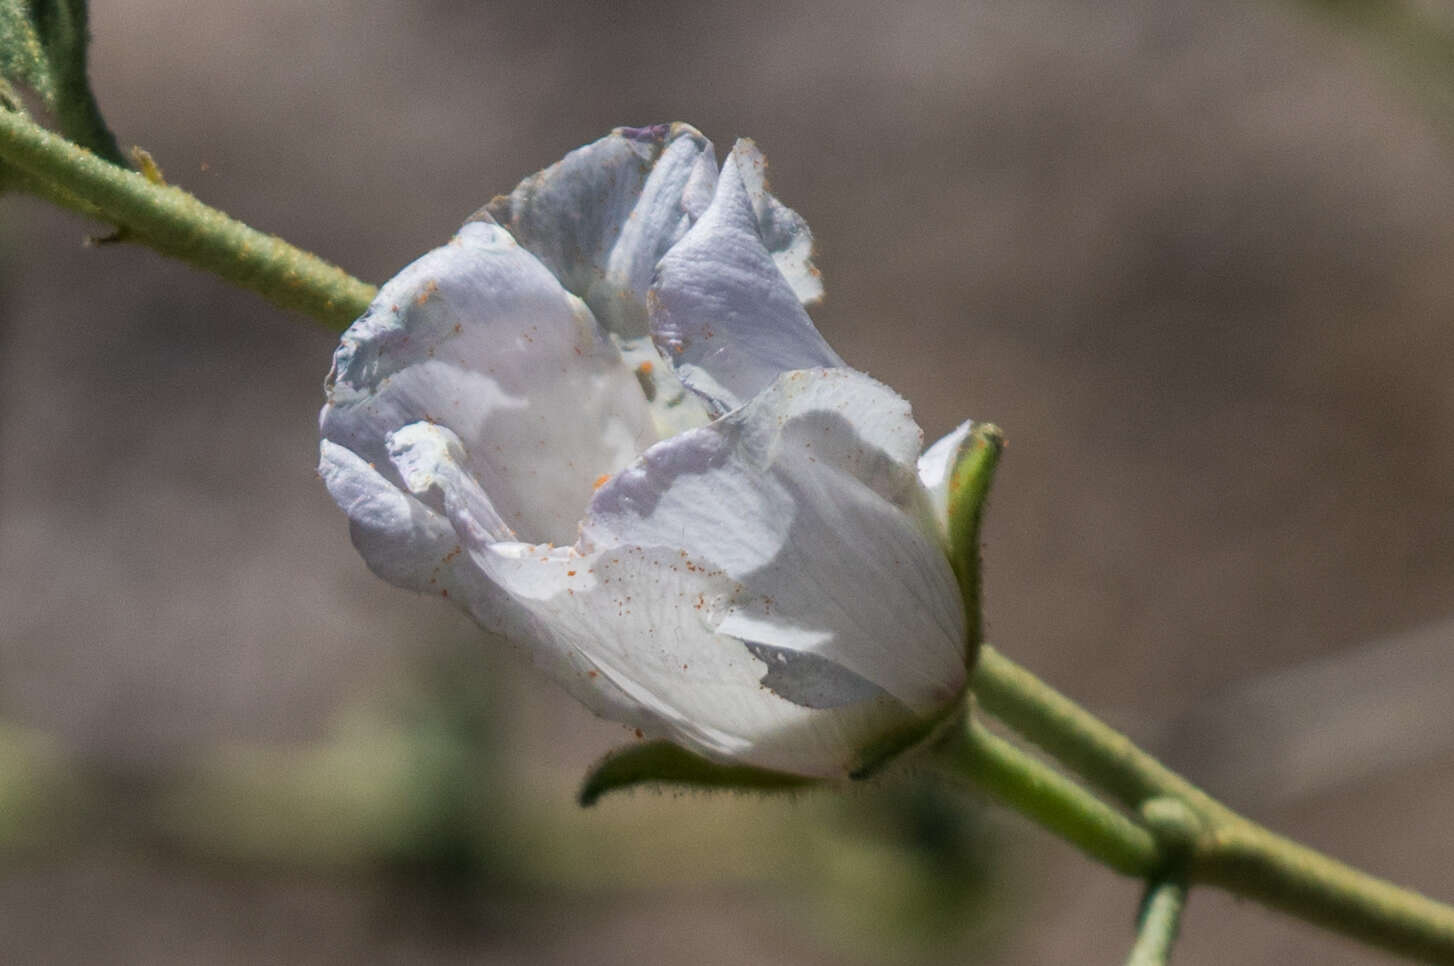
1194,258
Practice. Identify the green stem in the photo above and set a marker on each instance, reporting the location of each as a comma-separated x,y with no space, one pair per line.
56,195
177,224
1036,790
1248,860
1079,740
1227,850
1160,920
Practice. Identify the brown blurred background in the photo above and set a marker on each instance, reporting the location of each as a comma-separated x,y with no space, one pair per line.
1194,258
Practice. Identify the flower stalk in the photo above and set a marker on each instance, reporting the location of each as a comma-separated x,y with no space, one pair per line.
1080,741
1045,796
177,224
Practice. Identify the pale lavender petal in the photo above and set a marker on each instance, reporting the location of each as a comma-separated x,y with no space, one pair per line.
784,233
808,501
602,216
479,337
721,310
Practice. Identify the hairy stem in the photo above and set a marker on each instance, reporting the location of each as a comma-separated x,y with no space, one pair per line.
1036,790
177,224
55,194
1080,741
1248,860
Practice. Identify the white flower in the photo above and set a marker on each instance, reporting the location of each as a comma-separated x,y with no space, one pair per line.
600,421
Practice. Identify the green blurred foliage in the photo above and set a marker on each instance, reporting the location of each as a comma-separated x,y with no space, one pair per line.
911,874
1413,41
415,789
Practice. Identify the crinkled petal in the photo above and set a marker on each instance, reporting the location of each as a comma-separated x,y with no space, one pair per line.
432,462
478,336
768,588
627,631
400,538
717,594
414,545
570,214
444,507
675,195
645,619
721,310
808,501
602,216
936,469
785,234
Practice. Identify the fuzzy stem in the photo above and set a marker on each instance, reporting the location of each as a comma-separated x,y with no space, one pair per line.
1079,740
1036,790
1248,860
177,224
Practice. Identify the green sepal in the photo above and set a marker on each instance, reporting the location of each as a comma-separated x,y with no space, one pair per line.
969,487
661,762
43,48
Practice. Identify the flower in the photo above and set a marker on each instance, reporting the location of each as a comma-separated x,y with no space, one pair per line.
601,422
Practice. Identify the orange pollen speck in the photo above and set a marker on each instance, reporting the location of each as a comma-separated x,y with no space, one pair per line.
600,481
644,368
570,573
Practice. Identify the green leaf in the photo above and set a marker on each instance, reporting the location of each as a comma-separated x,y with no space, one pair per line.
22,55
43,48
9,100
663,762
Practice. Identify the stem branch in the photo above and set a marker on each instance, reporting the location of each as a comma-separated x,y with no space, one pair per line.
1079,740
1227,851
1036,790
1160,920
